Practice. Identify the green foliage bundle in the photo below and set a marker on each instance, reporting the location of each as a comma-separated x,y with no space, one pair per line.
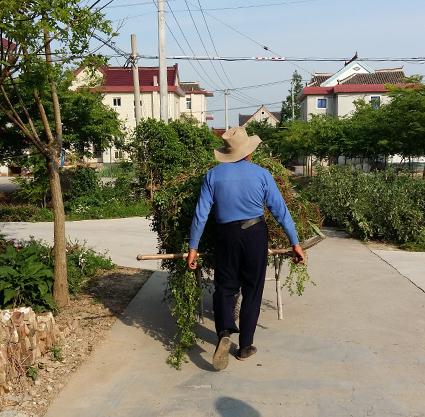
161,150
173,207
381,205
297,278
26,272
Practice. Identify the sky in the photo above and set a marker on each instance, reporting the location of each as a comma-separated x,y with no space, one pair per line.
295,28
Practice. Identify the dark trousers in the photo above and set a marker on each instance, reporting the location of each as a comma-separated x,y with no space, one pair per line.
241,261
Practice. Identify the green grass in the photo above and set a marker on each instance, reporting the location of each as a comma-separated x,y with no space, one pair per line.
414,246
29,213
112,211
112,170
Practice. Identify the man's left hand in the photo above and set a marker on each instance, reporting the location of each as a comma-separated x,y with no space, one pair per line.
191,259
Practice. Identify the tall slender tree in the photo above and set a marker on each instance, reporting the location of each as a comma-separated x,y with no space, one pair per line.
291,100
37,39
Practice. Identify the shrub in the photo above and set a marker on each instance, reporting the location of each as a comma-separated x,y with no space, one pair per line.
26,272
24,213
80,181
381,205
84,264
26,277
86,197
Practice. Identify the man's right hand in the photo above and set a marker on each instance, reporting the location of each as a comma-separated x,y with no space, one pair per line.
298,254
191,259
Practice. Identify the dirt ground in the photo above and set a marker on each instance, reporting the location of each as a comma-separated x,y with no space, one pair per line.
83,325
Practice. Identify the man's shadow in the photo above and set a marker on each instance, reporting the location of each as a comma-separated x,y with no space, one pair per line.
155,319
231,407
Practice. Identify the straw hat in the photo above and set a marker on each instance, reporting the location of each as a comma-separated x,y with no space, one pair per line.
237,145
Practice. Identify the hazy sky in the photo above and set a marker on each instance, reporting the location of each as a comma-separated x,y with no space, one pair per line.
297,28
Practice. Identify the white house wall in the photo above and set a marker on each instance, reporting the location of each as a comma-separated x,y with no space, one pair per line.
309,106
199,107
4,170
346,102
337,105
258,117
351,69
149,109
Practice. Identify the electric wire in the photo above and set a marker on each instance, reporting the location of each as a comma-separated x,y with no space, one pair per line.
203,43
248,6
212,82
245,97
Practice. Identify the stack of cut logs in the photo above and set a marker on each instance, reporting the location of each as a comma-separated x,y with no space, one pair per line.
24,337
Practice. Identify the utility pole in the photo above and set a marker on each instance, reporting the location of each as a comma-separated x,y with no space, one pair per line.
163,83
226,115
292,99
136,85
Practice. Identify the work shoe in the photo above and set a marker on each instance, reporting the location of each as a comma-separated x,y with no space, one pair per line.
221,354
246,352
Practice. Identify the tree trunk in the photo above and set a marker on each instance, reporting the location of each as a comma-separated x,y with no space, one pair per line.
60,287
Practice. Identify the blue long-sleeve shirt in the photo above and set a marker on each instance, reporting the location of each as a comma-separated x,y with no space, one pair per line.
239,191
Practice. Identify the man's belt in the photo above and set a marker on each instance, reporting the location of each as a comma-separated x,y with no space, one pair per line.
245,224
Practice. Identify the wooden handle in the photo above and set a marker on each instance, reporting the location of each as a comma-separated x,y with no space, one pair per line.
287,252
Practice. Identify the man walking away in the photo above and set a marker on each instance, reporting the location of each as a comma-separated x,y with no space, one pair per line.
238,190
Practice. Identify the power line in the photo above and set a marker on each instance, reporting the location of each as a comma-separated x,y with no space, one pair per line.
216,51
254,6
290,59
143,3
247,6
182,49
203,43
190,47
247,87
242,96
243,107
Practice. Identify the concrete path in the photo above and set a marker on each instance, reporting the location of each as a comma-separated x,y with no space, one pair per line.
123,239
354,345
409,264
7,186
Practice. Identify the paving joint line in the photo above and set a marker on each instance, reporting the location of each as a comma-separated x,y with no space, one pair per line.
395,269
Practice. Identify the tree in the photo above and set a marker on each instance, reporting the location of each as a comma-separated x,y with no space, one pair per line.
405,117
87,124
291,100
41,38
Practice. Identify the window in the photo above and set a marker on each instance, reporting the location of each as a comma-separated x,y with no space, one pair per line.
375,102
189,103
116,101
118,154
322,103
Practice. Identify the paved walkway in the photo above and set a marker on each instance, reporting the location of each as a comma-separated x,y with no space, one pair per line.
409,264
7,186
354,345
123,239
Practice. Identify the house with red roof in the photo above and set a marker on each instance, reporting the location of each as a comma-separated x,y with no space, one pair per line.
335,94
116,83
